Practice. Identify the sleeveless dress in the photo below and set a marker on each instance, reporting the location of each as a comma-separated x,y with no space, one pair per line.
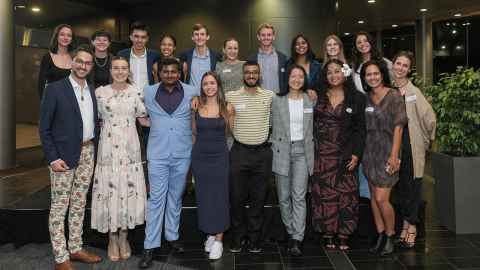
210,167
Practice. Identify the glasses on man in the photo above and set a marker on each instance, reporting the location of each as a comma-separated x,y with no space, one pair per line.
80,62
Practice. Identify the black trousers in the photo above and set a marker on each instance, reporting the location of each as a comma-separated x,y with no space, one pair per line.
250,171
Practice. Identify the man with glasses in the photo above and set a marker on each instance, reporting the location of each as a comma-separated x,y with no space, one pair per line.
68,128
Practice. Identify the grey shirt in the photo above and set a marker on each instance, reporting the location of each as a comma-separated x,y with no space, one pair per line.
231,75
269,70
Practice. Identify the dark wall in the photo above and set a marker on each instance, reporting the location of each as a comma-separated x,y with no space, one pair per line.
239,19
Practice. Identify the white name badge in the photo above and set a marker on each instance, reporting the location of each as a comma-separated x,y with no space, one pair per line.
227,70
369,109
411,98
308,110
349,110
282,70
239,107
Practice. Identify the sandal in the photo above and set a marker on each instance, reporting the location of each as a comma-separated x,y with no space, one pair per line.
328,242
403,234
409,241
343,243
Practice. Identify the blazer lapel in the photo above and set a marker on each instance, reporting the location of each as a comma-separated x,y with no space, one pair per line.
307,117
285,115
70,94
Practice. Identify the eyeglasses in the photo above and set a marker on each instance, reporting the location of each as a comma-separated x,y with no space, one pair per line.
80,62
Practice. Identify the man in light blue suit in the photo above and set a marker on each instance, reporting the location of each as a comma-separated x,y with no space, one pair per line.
168,154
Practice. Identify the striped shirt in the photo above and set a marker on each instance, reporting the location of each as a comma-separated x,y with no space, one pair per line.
252,115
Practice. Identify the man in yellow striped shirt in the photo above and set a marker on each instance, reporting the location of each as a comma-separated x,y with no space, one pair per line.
250,157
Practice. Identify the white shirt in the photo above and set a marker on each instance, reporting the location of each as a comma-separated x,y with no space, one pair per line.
85,104
138,67
295,107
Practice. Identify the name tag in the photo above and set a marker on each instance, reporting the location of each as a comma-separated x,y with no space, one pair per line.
240,107
349,110
227,70
282,70
369,109
308,110
411,98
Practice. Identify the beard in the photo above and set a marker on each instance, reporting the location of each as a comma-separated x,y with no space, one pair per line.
251,84
79,75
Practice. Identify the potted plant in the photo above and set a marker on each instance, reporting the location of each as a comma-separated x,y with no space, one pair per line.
455,99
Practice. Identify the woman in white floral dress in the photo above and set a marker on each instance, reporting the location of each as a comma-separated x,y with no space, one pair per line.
119,194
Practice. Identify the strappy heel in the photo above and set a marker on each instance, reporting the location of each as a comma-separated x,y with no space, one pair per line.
328,242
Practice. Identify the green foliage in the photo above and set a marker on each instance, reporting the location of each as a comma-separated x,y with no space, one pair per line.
455,99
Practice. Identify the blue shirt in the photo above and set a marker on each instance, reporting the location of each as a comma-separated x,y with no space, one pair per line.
269,70
169,101
200,65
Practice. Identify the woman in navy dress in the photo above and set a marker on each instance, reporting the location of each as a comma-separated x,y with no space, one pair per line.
210,164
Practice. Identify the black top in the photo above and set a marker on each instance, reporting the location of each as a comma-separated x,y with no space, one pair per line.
49,73
100,76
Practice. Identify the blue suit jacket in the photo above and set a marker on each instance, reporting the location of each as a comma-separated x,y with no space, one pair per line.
152,57
170,134
188,55
61,126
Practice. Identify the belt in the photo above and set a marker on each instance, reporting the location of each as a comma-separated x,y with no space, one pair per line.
85,143
253,146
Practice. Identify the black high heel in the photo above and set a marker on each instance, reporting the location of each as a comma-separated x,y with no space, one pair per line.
328,242
379,243
388,247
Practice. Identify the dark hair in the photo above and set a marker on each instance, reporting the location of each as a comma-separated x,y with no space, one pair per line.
250,63
170,37
293,52
139,26
101,33
382,66
284,92
324,74
199,26
54,39
83,48
222,104
357,58
117,58
168,61
407,54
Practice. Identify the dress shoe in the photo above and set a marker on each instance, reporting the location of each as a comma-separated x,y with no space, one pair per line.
387,247
295,249
147,259
85,256
379,243
176,246
66,265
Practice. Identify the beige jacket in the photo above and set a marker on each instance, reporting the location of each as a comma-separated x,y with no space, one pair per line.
421,126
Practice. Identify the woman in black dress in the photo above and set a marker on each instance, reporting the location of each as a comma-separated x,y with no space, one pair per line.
210,164
100,76
339,132
57,62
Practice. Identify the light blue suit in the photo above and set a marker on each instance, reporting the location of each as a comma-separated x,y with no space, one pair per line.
168,154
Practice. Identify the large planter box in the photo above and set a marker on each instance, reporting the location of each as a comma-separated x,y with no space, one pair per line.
457,192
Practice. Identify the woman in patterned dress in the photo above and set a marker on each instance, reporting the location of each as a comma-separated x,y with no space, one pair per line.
119,194
339,132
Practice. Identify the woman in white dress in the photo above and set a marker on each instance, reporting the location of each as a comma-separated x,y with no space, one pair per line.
119,194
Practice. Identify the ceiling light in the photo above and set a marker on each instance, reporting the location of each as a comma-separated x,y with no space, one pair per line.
447,24
454,31
457,15
371,1
346,34
458,47
35,9
361,22
443,47
467,23
423,10
394,25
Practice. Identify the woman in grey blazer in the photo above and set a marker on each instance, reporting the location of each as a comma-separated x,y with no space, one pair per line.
293,153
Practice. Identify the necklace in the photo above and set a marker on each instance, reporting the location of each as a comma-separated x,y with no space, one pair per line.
104,63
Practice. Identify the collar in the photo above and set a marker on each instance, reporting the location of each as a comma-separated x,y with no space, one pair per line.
244,92
75,85
264,53
207,54
136,56
177,87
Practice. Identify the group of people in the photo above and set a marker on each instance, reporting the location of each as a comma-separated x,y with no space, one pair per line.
316,126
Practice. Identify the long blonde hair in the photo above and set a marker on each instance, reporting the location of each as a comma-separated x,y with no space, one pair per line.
341,56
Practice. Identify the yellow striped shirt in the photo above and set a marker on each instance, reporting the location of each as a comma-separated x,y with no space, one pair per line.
252,115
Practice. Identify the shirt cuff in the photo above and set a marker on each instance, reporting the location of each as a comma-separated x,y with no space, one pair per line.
54,161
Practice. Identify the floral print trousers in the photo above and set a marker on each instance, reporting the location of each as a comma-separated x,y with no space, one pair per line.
70,188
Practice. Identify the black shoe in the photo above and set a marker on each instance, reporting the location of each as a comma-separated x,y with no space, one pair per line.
289,243
176,246
295,249
379,243
147,259
235,246
254,247
387,247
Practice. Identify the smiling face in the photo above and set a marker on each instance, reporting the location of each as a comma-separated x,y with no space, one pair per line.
82,64
101,43
251,75
119,71
335,76
209,86
333,48
296,80
266,36
301,46
167,47
401,67
362,44
200,37
231,50
373,76
139,39
65,37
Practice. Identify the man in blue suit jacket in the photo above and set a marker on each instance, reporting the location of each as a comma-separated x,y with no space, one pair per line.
68,127
168,155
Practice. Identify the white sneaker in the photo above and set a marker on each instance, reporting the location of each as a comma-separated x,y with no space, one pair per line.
208,244
216,250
